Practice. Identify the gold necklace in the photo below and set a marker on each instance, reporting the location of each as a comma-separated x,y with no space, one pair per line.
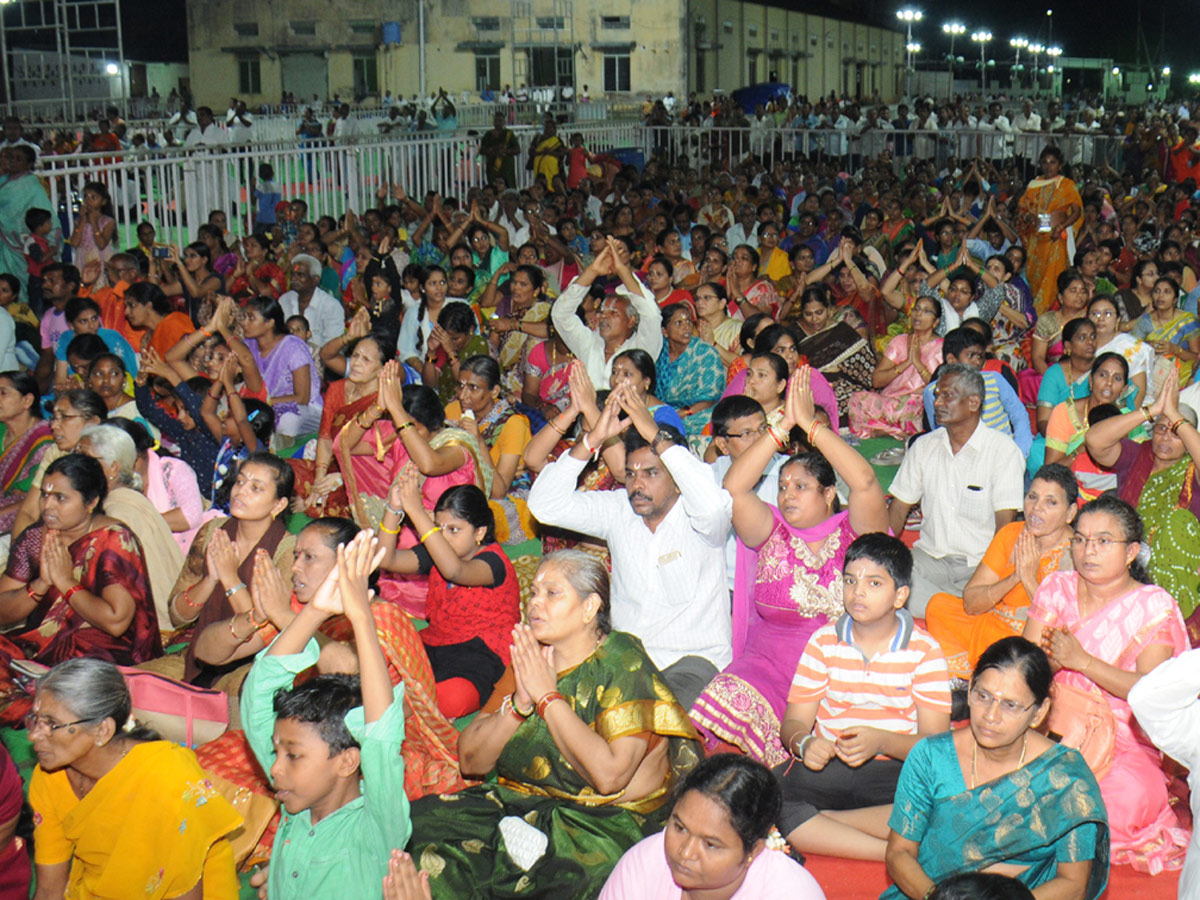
975,757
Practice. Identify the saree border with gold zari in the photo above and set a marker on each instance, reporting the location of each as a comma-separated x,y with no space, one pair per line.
1007,819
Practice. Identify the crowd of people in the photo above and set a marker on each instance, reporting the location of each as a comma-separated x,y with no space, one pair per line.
634,534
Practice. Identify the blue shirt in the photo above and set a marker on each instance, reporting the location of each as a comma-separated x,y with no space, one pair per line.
1002,410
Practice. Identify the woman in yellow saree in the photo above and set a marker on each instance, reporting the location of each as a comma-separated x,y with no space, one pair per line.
117,812
1047,223
546,153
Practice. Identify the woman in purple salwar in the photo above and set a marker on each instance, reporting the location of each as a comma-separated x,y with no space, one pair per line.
789,571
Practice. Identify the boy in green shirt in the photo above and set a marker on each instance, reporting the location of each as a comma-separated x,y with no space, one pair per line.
336,834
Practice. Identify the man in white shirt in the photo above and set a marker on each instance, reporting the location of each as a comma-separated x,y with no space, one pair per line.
326,316
666,536
737,422
969,480
745,229
207,132
629,319
182,123
1164,701
1025,121
240,124
995,148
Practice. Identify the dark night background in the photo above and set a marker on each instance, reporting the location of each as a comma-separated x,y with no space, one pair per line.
157,29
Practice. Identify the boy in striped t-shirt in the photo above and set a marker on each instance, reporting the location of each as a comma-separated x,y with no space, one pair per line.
866,689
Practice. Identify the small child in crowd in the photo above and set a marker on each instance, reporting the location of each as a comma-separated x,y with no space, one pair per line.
38,250
337,832
866,689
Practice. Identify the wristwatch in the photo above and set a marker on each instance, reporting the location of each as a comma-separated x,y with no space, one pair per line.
659,437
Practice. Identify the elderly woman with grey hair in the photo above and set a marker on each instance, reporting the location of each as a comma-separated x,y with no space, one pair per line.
116,452
129,808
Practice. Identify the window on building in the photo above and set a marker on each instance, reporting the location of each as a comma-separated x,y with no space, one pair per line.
616,72
362,26
551,23
795,75
614,21
487,70
304,29
753,62
700,67
249,76
245,29
366,74
487,23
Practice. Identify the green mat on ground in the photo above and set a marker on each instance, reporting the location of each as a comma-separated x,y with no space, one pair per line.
870,447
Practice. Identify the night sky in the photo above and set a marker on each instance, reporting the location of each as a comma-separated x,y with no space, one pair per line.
158,30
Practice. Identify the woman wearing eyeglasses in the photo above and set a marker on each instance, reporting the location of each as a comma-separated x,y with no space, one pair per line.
999,796
1158,478
1104,627
115,806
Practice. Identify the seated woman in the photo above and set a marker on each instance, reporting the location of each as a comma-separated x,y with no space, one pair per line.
784,341
429,750
636,368
1067,429
715,842
149,311
474,598
195,279
24,439
501,435
591,773
748,291
801,540
170,485
98,767
105,612
894,407
1173,333
256,273
521,318
546,373
116,451
1159,478
689,373
747,332
73,411
322,491
444,455
454,340
1104,627
714,325
996,600
220,563
661,282
83,317
998,796
1102,312
106,376
287,367
836,344
1070,374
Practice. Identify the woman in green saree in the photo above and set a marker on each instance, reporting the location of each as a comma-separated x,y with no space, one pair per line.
586,751
998,796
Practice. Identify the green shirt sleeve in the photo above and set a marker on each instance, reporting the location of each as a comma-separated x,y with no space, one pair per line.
268,675
385,802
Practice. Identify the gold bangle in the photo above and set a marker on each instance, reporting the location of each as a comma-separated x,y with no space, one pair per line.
435,528
387,530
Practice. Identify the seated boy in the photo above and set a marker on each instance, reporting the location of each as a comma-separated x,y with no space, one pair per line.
336,833
866,689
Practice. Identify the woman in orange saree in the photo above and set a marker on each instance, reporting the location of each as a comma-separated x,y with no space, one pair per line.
1047,222
360,454
430,741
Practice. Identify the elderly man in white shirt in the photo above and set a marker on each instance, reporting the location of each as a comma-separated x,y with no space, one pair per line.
969,480
630,319
666,535
326,316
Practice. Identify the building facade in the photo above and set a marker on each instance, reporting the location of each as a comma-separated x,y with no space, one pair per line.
360,49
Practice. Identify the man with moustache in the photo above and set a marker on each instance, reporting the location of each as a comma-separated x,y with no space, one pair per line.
666,537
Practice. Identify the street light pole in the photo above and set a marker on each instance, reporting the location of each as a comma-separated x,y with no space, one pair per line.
954,29
908,15
1018,43
1036,76
982,38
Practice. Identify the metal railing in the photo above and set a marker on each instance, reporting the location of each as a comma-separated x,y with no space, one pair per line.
723,149
175,191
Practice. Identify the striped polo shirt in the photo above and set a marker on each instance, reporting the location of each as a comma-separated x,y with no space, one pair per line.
882,692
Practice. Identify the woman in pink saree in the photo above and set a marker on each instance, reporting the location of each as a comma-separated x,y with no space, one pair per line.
789,572
445,455
1104,628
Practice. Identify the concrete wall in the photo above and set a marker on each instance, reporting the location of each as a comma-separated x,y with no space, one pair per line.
815,54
